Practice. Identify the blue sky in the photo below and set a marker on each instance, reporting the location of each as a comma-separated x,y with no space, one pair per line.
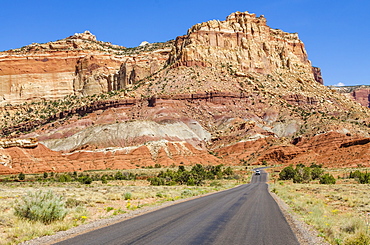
336,33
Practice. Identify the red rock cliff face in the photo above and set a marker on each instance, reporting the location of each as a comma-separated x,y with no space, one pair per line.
78,65
362,96
245,43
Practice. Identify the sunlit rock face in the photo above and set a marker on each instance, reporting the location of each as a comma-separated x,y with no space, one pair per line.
245,43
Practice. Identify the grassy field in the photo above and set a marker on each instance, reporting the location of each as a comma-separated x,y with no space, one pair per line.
340,212
87,203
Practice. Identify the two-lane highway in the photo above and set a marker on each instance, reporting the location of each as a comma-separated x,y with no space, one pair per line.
243,215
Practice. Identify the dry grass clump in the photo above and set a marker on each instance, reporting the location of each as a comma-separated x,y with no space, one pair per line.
341,212
87,203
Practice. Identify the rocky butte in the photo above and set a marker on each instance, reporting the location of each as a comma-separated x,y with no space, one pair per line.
233,91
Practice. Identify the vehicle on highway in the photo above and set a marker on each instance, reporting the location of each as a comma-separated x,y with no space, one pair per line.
258,172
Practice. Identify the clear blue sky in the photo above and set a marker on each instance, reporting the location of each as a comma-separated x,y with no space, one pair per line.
336,33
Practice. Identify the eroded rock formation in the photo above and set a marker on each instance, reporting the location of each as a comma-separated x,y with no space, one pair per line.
362,96
232,92
23,143
246,44
78,65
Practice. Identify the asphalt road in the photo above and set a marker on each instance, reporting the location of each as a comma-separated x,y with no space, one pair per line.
243,215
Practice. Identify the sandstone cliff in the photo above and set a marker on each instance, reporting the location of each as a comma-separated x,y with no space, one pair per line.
244,42
78,65
229,91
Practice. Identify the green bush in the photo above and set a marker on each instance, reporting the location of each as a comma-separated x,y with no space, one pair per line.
65,178
327,179
41,206
85,179
301,173
362,178
104,179
287,173
118,176
228,171
316,173
21,176
128,196
156,181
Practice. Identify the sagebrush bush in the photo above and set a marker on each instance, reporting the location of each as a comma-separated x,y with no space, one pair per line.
128,196
41,206
187,193
360,238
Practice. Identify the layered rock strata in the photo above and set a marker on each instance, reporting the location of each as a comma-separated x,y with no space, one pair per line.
246,44
232,92
78,65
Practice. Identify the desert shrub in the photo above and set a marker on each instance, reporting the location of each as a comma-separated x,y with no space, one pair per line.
355,174
128,196
72,203
124,176
351,226
41,206
118,176
362,178
360,238
215,183
104,179
228,171
159,194
191,182
65,178
156,181
21,176
187,193
316,172
287,173
85,179
301,173
327,179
